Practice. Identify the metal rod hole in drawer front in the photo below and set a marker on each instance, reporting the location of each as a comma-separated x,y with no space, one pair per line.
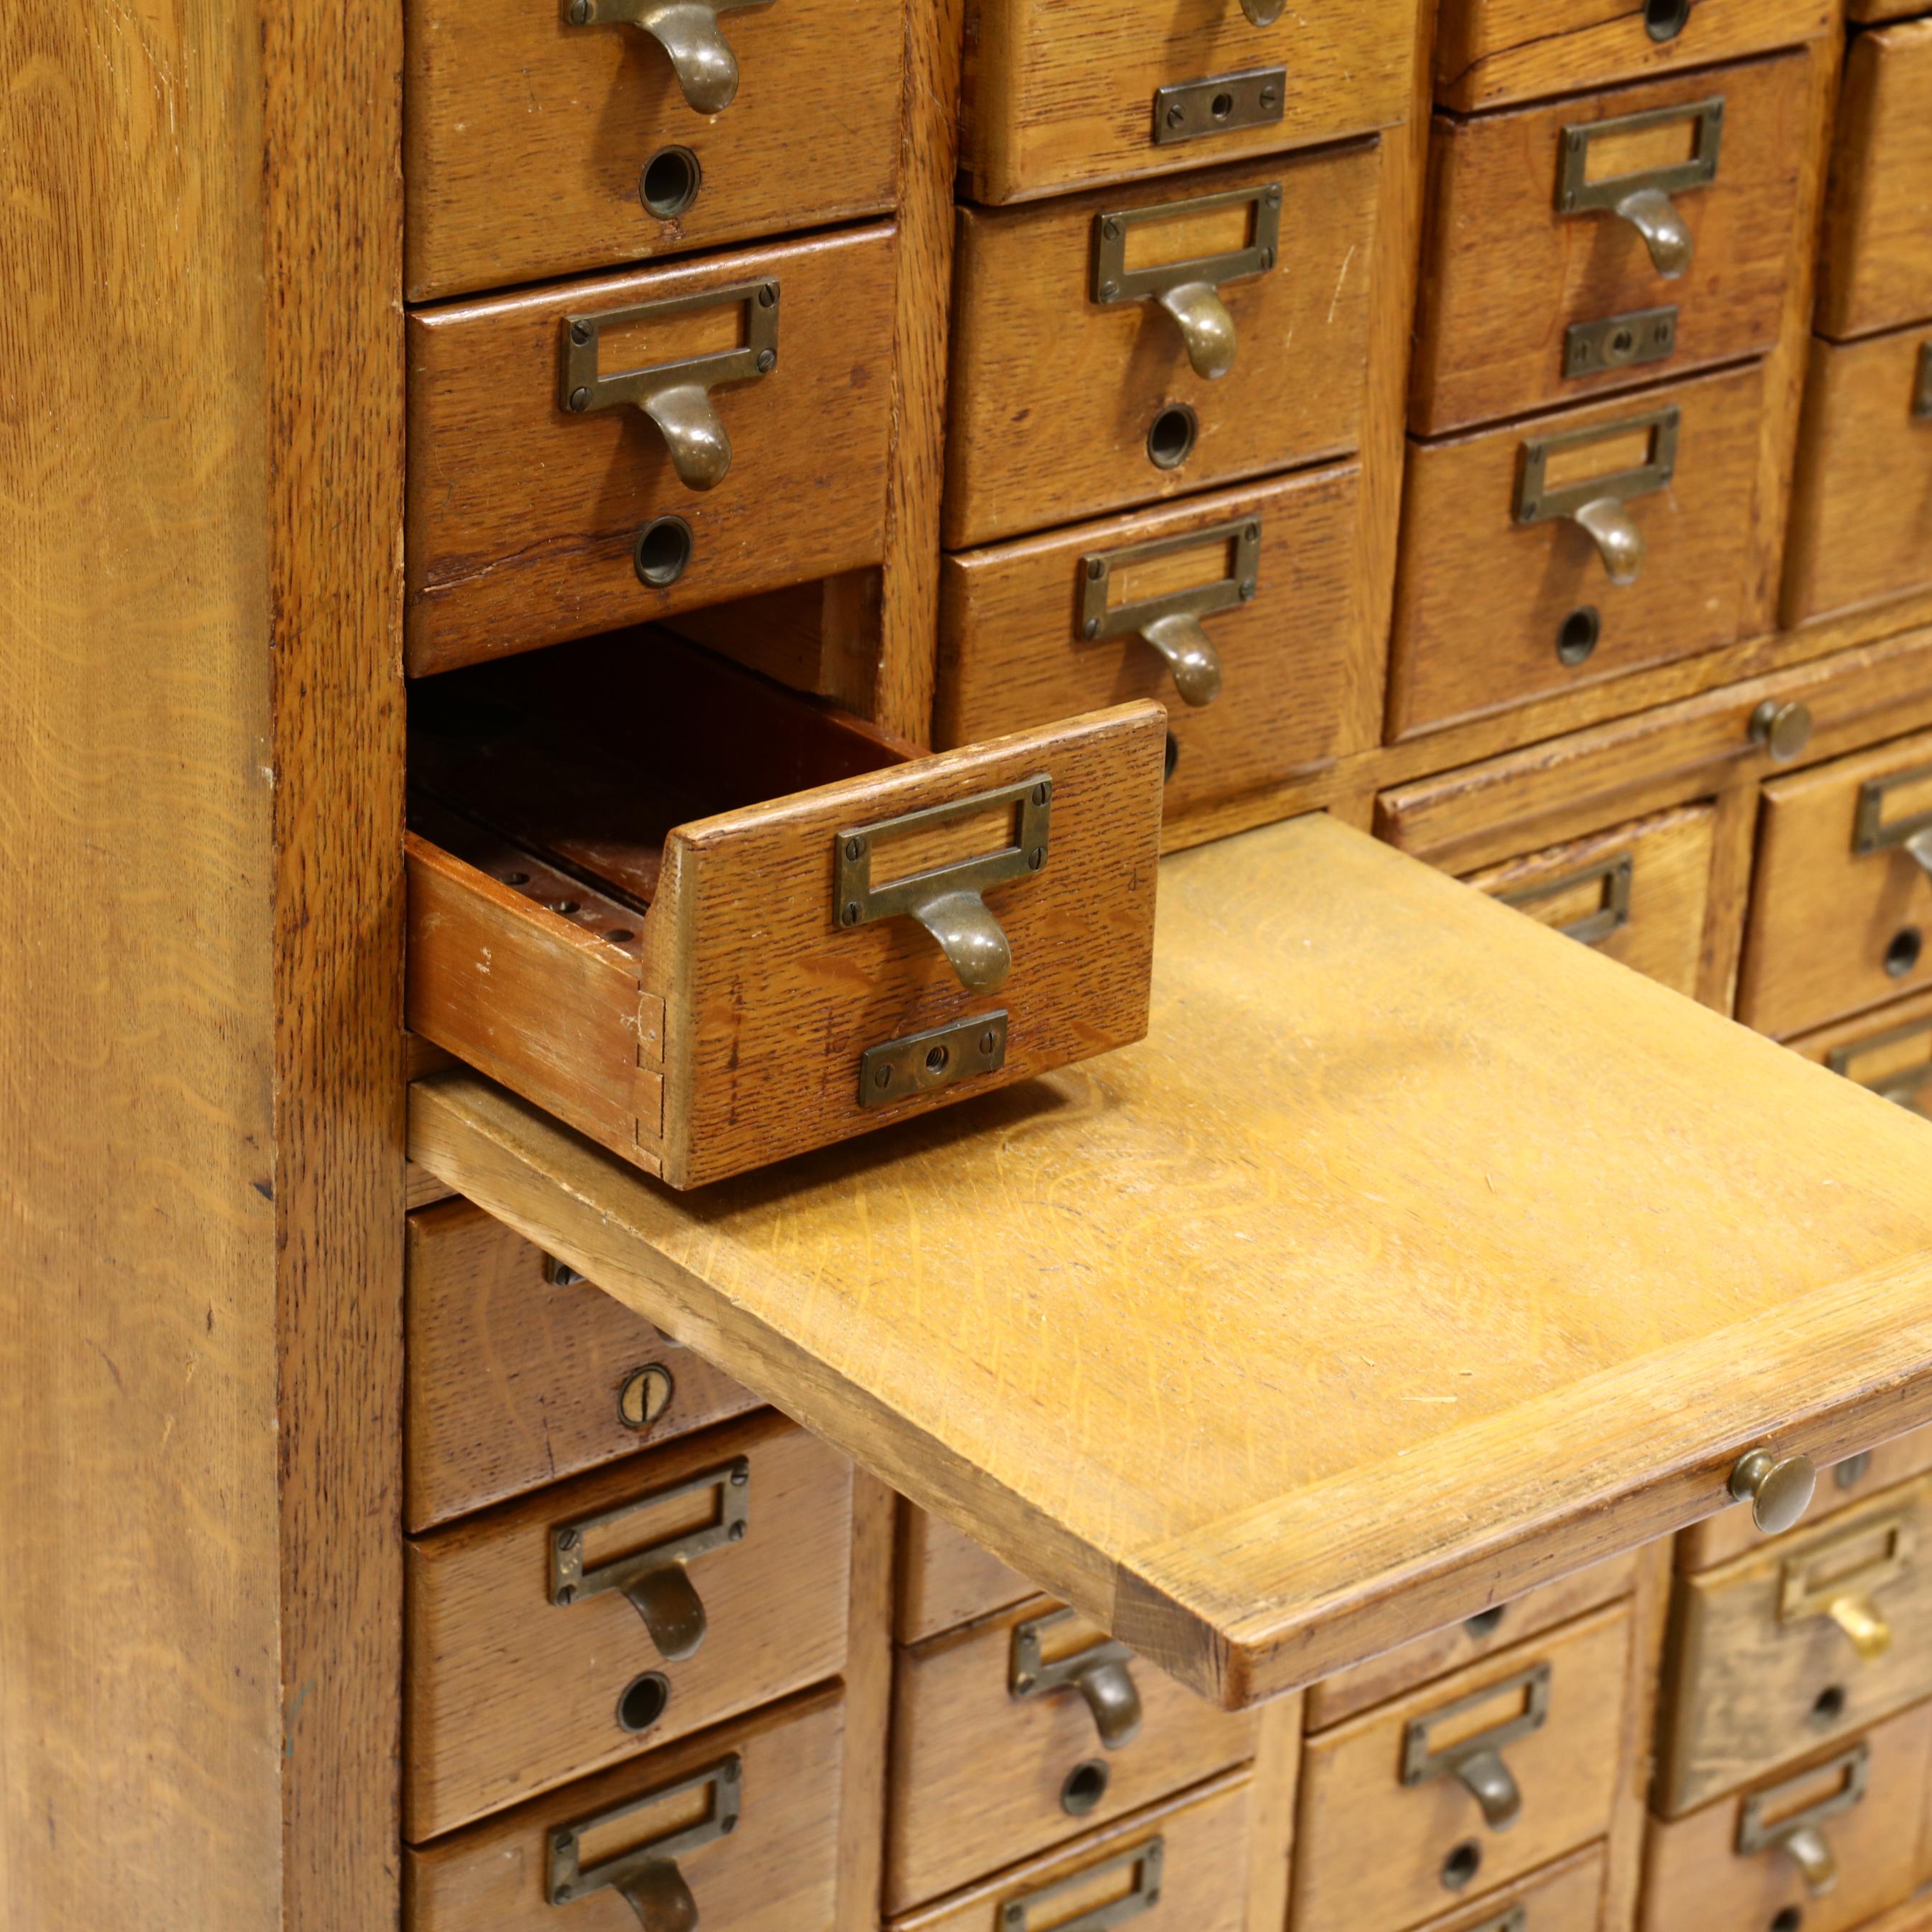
1559,477
1098,1671
1903,1084
1143,1863
1876,828
604,1852
1591,178
1768,1823
1611,877
1476,1761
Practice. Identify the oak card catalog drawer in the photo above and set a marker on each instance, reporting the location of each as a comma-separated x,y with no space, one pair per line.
1637,893
1890,1051
603,915
1601,242
736,1829
1063,93
1181,1867
621,1610
1022,1730
1465,1785
1120,347
520,1372
1488,51
613,451
1232,610
1806,1640
1824,1847
1841,903
1874,271
1541,555
545,137
1565,1896
945,1578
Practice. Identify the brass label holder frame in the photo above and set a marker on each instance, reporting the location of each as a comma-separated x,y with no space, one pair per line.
923,1063
1845,1598
1616,875
1186,110
1872,831
1595,503
1902,1089
1642,197
647,1874
1098,1672
949,900
675,396
1171,621
1476,1762
1148,1861
1799,1834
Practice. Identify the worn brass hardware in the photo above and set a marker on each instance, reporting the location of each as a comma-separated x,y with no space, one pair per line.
922,1062
1223,102
1263,12
1476,1762
1665,19
687,30
1922,383
1798,1835
1613,913
1170,622
1619,341
1811,1587
1189,291
646,1877
676,396
1778,1488
560,1274
1871,831
1595,503
645,1395
949,900
1643,199
1783,729
1902,1089
1515,1919
1146,1862
654,1579
1098,1672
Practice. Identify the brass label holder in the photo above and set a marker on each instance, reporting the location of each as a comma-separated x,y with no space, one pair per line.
1476,1762
654,1579
1189,291
676,396
1642,197
688,32
922,1062
1146,1860
1902,1089
1170,622
1620,342
1221,104
1846,1597
1799,1835
948,900
1614,874
1873,832
1098,1672
1595,503
646,1876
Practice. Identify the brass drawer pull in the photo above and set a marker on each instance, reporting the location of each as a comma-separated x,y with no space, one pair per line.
687,30
654,1579
1476,1762
646,1875
1143,1895
1778,1488
1263,12
1643,198
1611,915
1190,291
676,396
1799,1834
947,900
1872,831
1171,621
1783,729
1595,503
1815,1586
1098,1672
1902,1089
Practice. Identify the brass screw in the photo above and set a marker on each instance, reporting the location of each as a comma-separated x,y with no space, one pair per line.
1108,290
579,333
1091,628
1269,96
855,848
988,1040
740,1476
1247,589
736,1532
1096,569
580,13
767,361
1111,229
852,913
580,399
568,1594
1043,791
566,1539
768,295
1176,114
1036,858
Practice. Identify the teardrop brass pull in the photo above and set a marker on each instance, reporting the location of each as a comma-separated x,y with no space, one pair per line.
1190,655
974,942
694,433
657,1894
1109,1689
1811,1851
1491,1783
687,31
1861,1620
672,1609
1666,233
1618,541
1206,326
1920,846
1263,12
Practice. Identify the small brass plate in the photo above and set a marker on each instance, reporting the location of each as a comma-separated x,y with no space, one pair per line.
1535,504
1027,1676
1755,1835
1420,1763
1147,1861
922,1062
570,1878
1576,192
1620,341
1256,97
570,1582
1613,915
1902,1089
1126,620
1114,281
584,388
1921,385
1871,831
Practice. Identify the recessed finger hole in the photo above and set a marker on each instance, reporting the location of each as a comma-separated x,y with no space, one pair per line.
1901,956
1828,1706
1085,1785
670,182
643,1701
1788,1920
1576,636
569,908
1484,1622
1665,19
1170,758
1853,1470
515,878
1462,1865
662,551
1171,441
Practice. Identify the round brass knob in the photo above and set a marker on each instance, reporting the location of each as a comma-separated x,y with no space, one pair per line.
1783,729
1778,1488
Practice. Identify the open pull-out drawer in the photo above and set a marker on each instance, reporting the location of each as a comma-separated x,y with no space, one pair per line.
601,918
1417,1257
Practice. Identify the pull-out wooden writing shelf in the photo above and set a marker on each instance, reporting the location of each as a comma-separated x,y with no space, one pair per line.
1417,1256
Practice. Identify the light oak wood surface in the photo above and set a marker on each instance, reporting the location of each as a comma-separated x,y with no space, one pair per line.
946,1578
924,1300
1892,1044
1564,1896
867,1681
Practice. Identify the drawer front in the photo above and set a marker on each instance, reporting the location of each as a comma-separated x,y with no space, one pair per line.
1636,893
1841,904
1890,1051
530,521
1799,1643
1503,595
1566,1897
1441,1651
1233,610
535,147
1067,401
1177,1867
1489,52
1861,498
1064,94
520,1373
1744,1861
1389,1832
524,1673
945,1579
1873,269
1537,289
774,1869
997,1752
